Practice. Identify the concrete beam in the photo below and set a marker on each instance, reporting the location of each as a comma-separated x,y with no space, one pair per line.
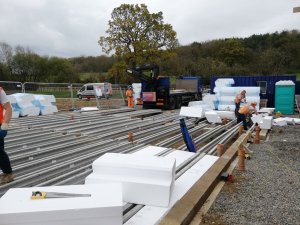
186,208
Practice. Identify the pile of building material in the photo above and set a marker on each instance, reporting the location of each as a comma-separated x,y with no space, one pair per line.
32,105
145,180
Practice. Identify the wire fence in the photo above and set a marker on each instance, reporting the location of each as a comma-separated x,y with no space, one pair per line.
59,90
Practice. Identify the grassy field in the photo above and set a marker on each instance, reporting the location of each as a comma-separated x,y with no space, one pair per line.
298,76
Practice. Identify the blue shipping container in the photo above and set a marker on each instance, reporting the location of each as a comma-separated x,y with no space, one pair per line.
267,84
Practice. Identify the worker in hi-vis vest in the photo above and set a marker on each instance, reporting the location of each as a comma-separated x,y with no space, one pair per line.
244,111
129,95
241,97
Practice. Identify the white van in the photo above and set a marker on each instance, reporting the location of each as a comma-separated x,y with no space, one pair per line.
91,90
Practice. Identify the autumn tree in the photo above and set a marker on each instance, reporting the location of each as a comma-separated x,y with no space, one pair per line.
137,36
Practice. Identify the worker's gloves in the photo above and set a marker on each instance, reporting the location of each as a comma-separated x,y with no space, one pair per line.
3,130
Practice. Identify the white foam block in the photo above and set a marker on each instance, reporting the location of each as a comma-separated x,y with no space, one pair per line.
150,215
192,112
179,156
266,110
280,122
150,151
103,207
226,114
257,118
266,122
213,117
145,180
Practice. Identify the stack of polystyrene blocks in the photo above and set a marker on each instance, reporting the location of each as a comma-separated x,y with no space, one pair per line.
105,206
45,103
145,180
25,105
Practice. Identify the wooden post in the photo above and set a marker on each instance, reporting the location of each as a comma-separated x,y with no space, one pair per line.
219,150
257,138
241,130
241,155
130,137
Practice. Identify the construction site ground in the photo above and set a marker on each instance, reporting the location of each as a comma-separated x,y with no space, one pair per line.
65,104
267,192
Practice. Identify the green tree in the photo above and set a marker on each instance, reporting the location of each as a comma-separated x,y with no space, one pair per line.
138,36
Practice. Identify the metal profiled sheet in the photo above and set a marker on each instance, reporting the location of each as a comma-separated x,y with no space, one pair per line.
150,151
150,215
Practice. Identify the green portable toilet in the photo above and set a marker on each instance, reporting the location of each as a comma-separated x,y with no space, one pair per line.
285,96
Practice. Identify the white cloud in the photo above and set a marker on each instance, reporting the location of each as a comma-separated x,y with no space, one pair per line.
72,27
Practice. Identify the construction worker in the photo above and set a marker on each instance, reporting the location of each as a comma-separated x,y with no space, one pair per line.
5,116
241,97
129,95
244,111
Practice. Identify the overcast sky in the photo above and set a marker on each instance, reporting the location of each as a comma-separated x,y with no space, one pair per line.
69,28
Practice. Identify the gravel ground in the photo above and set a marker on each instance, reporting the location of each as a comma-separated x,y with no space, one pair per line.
267,193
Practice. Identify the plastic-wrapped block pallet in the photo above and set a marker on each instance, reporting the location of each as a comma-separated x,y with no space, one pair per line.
24,102
145,180
45,103
16,109
103,207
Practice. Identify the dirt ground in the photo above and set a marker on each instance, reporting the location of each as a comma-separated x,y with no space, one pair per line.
265,193
66,104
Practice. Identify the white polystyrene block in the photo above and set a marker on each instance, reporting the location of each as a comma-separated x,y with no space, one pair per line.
226,107
150,215
257,118
228,91
250,91
226,114
150,151
266,110
103,207
266,122
192,112
193,103
145,180
227,100
297,121
224,82
280,122
289,120
213,117
87,109
180,156
15,114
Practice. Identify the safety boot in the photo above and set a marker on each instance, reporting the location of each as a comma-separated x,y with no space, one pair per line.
6,178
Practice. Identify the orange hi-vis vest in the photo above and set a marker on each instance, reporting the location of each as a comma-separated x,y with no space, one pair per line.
1,110
244,110
129,93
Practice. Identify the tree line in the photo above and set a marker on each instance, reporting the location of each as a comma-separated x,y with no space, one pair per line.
264,54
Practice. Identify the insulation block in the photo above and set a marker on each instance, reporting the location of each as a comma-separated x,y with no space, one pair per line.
145,180
103,207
